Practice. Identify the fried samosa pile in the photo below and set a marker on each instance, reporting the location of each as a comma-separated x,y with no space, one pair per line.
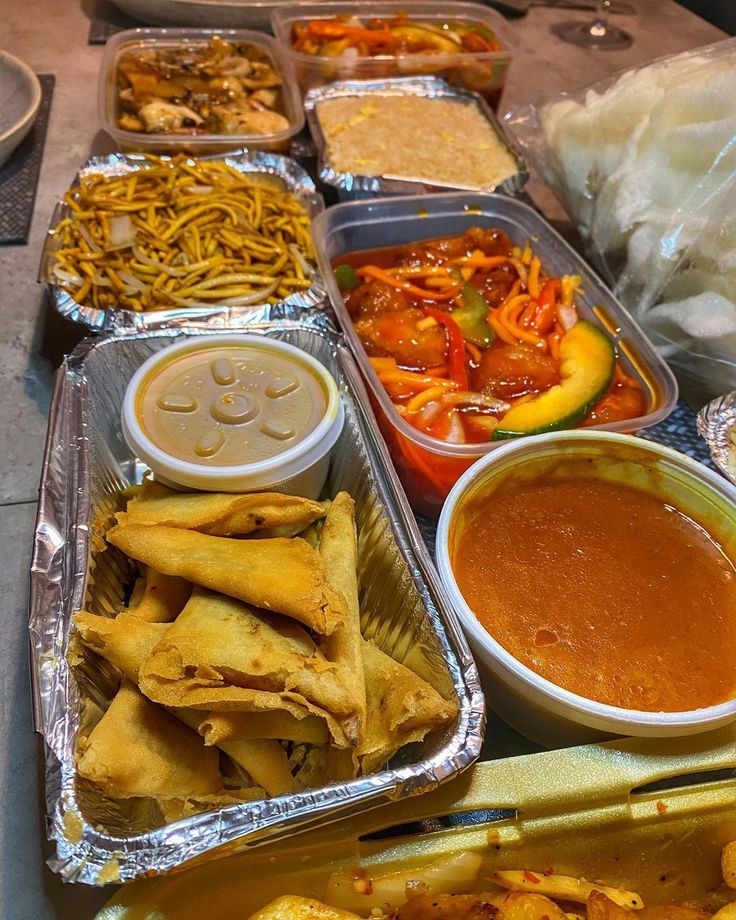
244,671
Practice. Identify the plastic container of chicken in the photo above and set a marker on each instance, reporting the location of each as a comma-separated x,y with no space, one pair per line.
197,90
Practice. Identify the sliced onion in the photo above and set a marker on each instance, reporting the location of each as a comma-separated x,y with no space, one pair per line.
243,301
466,398
122,231
199,189
101,280
153,263
65,277
131,281
456,434
430,412
567,316
247,300
85,234
304,265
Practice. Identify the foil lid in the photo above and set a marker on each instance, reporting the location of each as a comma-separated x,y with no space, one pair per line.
717,426
403,609
295,179
353,185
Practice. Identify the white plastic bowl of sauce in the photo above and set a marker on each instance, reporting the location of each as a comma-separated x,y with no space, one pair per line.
234,413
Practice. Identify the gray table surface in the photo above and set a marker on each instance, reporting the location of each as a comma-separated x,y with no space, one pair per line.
51,36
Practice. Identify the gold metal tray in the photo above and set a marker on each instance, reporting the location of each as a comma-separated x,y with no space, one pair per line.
587,811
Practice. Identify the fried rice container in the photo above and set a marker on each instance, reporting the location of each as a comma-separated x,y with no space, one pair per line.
634,813
429,467
403,606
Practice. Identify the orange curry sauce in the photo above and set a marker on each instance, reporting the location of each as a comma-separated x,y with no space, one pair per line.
605,590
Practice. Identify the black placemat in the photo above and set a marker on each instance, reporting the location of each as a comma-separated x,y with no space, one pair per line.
19,175
105,20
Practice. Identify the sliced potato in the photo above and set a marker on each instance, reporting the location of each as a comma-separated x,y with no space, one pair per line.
563,887
359,891
518,905
601,907
293,908
728,864
728,912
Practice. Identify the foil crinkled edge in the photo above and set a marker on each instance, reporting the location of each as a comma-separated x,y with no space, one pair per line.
356,186
296,180
717,427
88,854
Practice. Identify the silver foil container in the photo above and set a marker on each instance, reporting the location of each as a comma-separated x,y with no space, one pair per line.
717,426
294,178
351,186
403,609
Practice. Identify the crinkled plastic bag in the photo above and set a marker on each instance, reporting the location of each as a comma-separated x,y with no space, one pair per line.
645,164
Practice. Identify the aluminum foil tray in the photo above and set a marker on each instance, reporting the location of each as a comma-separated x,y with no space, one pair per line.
717,426
294,178
352,186
404,610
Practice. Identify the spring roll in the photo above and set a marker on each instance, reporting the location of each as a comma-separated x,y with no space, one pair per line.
344,647
401,708
220,514
279,574
158,598
221,654
219,727
125,641
138,749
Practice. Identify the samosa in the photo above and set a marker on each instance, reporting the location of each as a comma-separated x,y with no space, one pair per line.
221,654
221,514
279,574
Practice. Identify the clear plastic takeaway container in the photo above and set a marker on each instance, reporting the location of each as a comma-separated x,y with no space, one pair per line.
200,144
429,467
481,72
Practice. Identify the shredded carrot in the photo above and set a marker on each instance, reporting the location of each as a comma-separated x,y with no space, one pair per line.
372,271
533,279
427,396
553,343
383,364
478,260
418,381
513,292
531,877
525,335
511,309
473,351
500,329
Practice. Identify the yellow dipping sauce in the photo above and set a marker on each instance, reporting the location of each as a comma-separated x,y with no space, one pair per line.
229,404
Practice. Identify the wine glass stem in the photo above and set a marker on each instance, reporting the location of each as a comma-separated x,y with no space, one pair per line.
600,23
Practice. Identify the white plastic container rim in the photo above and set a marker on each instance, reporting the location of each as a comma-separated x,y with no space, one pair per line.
257,475
523,680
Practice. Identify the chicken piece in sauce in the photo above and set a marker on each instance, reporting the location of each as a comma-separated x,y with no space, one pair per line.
386,321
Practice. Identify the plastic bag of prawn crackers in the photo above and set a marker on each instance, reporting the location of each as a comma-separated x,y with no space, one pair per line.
645,165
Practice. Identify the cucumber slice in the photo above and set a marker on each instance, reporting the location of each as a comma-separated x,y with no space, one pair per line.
587,364
423,33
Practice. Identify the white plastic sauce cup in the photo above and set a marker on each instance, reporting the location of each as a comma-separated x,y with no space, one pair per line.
300,469
533,705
